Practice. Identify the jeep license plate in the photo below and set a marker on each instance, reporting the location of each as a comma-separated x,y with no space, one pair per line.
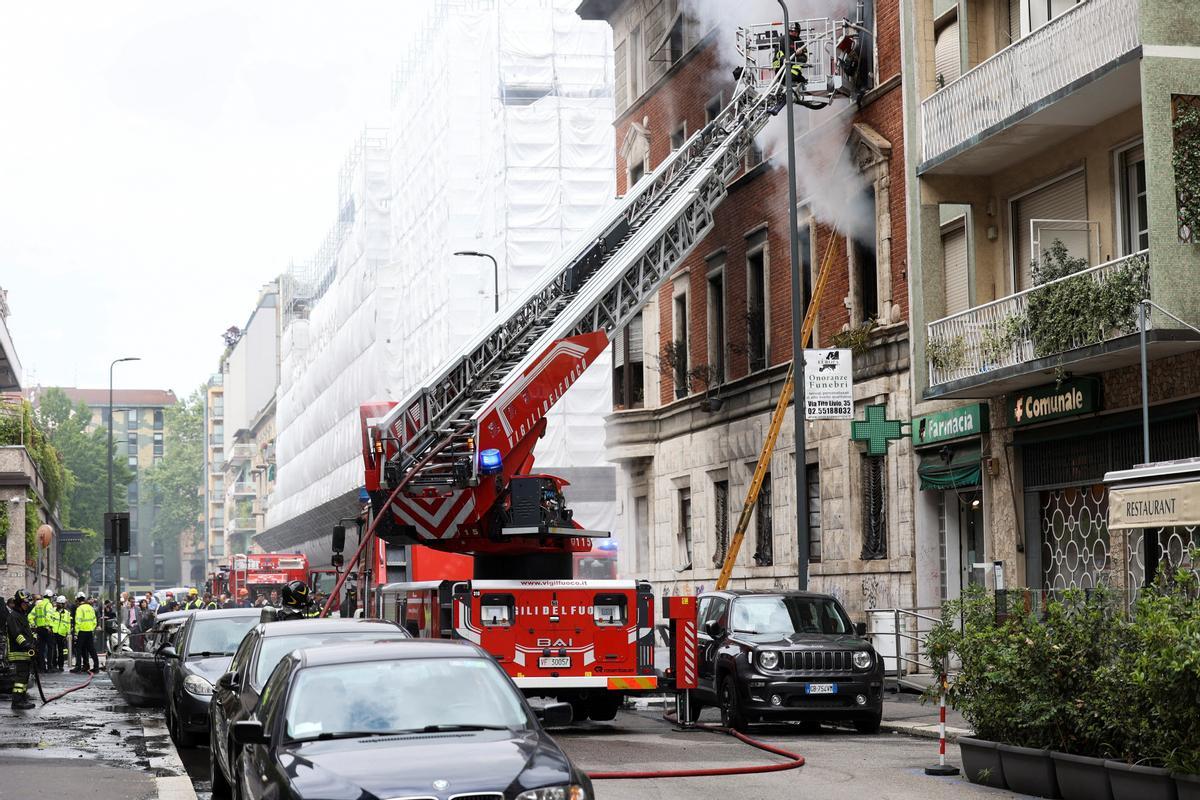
820,688
554,662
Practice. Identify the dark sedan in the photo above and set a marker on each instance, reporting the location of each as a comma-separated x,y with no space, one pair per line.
785,656
138,674
203,648
237,691
420,718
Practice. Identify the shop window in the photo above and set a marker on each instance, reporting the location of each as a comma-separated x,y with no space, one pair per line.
716,326
812,483
874,518
866,268
683,534
628,363
756,309
720,522
764,529
1074,532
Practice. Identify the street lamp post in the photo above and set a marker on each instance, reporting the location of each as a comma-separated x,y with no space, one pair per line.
116,549
495,274
797,316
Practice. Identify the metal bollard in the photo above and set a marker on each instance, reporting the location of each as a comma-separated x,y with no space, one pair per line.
941,768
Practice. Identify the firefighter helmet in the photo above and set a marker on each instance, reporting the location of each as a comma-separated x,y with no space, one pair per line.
21,598
295,594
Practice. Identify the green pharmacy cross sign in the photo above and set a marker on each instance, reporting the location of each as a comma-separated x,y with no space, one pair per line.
876,430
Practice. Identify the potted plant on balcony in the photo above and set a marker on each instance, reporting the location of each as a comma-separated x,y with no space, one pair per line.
674,356
709,376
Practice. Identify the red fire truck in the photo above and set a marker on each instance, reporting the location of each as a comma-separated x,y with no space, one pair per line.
259,573
586,642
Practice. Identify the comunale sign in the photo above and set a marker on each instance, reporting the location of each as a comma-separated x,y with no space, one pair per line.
1067,398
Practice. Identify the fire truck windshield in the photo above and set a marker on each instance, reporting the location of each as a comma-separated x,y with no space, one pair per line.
402,696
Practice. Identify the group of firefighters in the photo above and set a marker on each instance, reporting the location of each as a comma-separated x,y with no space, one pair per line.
37,634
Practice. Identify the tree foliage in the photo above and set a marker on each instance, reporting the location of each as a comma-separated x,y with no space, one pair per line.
83,453
178,478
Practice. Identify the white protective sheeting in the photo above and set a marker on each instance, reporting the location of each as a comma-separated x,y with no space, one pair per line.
508,151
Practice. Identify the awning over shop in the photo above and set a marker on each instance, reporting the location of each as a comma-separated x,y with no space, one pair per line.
962,471
1163,506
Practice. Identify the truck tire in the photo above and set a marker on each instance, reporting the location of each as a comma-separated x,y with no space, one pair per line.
579,709
603,706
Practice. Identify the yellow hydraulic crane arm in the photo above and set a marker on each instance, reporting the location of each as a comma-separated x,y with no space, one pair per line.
785,397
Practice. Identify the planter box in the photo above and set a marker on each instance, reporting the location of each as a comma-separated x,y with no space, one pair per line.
1187,786
1081,777
1029,771
1132,782
981,762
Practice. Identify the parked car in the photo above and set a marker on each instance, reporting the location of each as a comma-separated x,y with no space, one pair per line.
236,693
202,651
785,656
421,718
138,674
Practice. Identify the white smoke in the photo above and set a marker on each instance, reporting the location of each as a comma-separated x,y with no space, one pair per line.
826,177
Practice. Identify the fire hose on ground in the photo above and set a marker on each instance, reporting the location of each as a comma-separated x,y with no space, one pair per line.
37,678
796,760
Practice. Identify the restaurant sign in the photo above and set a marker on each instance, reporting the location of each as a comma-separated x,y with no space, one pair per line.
1067,398
1162,506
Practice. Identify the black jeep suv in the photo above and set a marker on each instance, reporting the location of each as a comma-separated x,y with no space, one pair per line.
785,656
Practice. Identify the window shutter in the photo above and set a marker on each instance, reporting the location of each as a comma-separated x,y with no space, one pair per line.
1014,20
954,261
947,62
619,348
635,340
620,67
1065,199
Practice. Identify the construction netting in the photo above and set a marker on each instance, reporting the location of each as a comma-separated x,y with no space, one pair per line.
500,143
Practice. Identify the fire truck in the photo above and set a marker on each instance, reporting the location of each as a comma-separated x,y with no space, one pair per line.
259,573
451,466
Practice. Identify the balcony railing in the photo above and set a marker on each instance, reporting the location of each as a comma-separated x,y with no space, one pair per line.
1087,307
241,489
241,453
1066,49
239,524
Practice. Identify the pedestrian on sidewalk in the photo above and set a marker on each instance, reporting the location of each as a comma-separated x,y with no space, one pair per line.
85,629
22,648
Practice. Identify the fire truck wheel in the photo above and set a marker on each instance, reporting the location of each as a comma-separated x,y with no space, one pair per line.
579,709
732,715
602,706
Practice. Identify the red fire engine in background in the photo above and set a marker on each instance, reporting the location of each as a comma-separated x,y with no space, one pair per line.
259,573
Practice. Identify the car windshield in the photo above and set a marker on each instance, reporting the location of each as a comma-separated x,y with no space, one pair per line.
276,647
787,615
220,636
405,695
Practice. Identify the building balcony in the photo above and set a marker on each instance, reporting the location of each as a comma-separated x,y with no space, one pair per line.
1073,72
240,453
216,439
241,489
1083,322
216,523
239,525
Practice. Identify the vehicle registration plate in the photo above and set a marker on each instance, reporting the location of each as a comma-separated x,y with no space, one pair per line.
554,662
821,688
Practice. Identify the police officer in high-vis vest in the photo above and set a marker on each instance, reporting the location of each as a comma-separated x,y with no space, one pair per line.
39,621
85,629
62,631
22,648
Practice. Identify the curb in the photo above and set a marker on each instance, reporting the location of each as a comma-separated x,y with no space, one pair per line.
923,730
173,787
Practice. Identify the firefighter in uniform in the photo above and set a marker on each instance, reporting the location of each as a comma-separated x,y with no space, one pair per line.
85,629
296,603
22,649
39,621
62,631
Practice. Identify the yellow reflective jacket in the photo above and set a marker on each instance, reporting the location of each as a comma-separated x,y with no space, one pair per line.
85,618
60,621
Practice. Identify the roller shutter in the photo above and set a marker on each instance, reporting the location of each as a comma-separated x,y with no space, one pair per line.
1065,199
954,263
947,61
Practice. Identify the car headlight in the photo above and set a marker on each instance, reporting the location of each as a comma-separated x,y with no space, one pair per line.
862,659
768,659
571,792
194,684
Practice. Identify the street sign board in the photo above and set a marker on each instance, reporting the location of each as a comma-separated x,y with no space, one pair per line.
828,384
1069,397
102,569
954,423
116,533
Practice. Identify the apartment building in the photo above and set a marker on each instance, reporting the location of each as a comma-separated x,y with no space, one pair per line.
697,375
138,436
211,551
1045,203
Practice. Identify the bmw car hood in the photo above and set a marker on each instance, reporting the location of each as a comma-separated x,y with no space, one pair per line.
408,765
807,641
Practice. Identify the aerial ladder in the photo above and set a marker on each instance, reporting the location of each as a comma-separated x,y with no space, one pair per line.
451,465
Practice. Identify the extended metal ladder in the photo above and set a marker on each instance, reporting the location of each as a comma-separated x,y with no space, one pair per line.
599,285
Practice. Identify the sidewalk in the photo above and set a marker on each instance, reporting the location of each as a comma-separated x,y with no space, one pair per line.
905,713
88,744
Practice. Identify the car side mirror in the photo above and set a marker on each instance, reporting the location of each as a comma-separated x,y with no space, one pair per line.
713,629
228,681
249,731
167,651
555,715
860,629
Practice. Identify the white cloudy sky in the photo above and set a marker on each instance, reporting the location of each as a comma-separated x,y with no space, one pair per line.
160,161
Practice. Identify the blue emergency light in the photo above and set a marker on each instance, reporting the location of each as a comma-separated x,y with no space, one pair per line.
489,461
